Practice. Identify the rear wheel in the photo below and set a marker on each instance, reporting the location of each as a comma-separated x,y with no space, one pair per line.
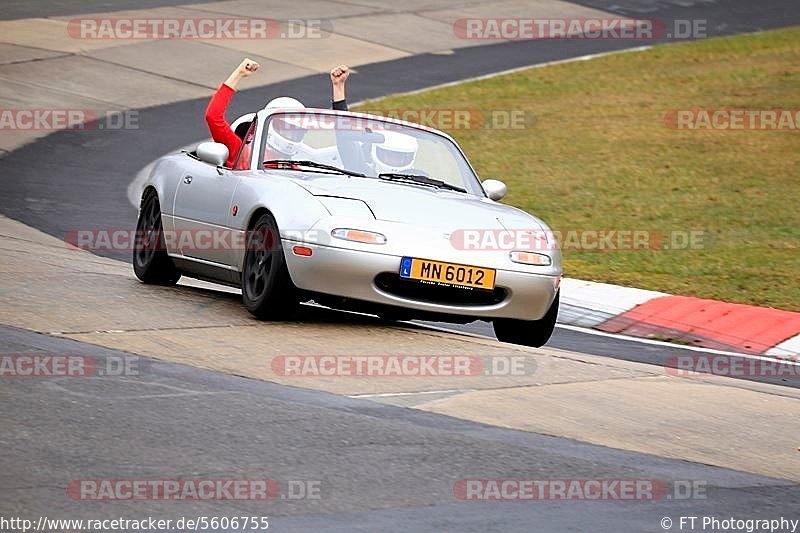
267,290
528,332
151,264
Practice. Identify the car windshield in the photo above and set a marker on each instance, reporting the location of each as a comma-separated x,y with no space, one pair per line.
369,147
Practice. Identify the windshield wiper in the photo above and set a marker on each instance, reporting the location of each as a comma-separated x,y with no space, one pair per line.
286,164
422,180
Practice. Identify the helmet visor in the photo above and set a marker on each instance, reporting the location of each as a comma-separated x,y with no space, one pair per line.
393,158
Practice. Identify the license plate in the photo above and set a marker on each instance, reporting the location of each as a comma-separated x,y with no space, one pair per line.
448,274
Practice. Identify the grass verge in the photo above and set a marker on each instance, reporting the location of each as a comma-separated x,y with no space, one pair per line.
599,155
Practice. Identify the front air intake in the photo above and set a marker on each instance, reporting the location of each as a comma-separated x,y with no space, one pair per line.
422,292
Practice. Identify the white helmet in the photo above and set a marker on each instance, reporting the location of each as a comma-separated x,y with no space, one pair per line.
284,102
396,153
285,134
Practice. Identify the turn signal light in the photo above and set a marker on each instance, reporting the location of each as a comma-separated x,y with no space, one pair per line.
357,235
531,258
305,251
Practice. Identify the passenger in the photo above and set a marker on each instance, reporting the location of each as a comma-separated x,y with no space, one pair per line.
221,130
396,154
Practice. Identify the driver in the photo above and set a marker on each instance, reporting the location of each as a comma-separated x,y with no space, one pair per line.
221,130
396,153
286,132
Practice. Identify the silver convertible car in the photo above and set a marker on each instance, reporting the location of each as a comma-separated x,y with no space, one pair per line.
352,211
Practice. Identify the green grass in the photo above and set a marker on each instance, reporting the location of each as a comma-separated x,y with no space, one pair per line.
598,155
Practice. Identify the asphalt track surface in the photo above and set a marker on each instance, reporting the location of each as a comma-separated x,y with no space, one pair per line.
77,179
380,467
20,9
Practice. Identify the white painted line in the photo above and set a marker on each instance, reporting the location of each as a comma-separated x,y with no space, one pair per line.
590,331
588,303
787,348
617,336
674,345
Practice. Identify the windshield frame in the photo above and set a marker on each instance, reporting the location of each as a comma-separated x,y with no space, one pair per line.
473,185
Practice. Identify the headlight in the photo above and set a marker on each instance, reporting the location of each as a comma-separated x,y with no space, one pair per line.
530,258
358,235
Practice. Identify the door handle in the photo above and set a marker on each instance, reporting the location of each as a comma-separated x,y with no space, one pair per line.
187,180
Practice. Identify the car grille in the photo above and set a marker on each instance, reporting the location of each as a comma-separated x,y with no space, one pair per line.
413,290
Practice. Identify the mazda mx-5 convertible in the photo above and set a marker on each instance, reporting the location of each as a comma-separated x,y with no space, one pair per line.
352,211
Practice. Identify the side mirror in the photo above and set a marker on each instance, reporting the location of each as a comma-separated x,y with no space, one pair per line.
495,189
213,153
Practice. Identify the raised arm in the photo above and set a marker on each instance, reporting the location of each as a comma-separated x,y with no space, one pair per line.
219,127
339,75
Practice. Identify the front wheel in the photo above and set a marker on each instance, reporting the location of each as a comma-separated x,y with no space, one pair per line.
151,264
267,290
528,332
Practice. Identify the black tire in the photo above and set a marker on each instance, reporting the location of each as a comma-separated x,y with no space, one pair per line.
150,260
534,333
267,290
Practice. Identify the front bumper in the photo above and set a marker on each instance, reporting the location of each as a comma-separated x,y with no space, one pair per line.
352,274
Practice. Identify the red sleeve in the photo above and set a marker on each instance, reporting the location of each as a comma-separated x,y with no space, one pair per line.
221,131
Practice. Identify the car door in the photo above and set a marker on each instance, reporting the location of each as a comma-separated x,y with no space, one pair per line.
202,212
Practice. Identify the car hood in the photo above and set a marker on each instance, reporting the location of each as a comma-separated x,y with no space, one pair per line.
423,206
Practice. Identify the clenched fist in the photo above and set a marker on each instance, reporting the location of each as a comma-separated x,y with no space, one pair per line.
339,74
247,67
